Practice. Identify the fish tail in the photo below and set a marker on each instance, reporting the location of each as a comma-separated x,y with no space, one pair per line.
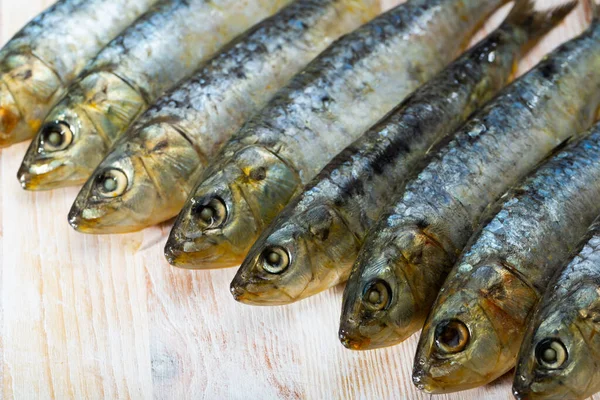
536,23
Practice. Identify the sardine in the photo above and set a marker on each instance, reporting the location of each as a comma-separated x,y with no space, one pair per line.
160,158
410,250
164,46
43,58
478,321
560,354
320,232
348,88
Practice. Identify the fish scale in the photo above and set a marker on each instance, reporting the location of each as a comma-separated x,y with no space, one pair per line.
357,183
334,100
43,58
164,46
163,153
567,321
506,268
420,234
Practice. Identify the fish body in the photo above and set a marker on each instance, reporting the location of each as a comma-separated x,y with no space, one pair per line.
350,86
161,48
39,62
419,236
560,354
477,324
163,153
321,230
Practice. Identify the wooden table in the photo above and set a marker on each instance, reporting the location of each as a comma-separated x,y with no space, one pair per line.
92,317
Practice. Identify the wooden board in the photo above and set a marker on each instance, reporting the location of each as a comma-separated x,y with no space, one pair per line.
93,317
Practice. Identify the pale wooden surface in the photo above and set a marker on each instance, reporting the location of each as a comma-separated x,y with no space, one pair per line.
93,317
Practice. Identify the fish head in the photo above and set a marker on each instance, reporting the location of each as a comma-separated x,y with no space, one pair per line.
76,135
296,258
472,334
557,358
62,153
136,184
387,294
28,87
236,200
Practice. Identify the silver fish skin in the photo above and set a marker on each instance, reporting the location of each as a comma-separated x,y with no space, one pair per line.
39,62
161,156
419,236
560,354
321,230
165,45
478,321
350,86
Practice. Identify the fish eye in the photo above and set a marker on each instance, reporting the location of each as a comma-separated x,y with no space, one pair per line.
377,295
551,353
212,214
56,136
452,336
275,260
111,183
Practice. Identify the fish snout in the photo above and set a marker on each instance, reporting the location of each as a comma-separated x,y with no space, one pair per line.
237,291
420,375
85,220
178,254
351,338
521,393
37,176
75,217
173,251
40,172
25,177
254,291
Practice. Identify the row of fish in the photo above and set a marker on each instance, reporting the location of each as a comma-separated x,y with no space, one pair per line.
318,148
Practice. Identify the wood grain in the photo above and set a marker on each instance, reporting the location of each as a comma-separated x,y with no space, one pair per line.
93,317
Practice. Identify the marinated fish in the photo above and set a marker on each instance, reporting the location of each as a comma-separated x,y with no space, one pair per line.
320,232
164,46
560,355
156,163
477,324
410,250
337,97
41,60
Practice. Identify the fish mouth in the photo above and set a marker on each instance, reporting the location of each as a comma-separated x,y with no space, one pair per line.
426,378
521,392
81,217
351,338
47,175
423,381
42,180
521,387
97,217
244,291
91,220
241,294
79,223
201,254
530,386
526,392
239,291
